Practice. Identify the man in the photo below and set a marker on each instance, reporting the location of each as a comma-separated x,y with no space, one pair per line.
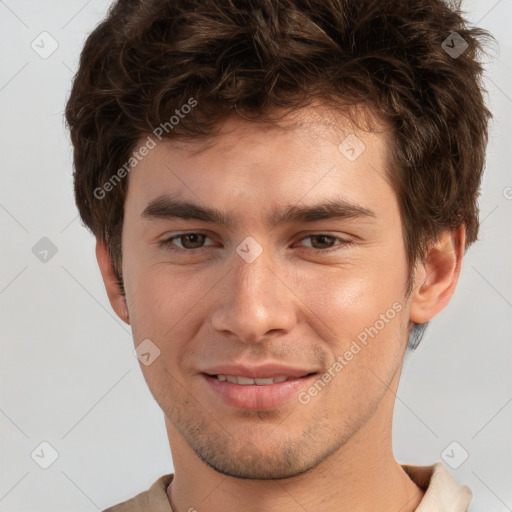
282,194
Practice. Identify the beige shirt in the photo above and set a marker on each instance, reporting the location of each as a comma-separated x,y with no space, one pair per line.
442,493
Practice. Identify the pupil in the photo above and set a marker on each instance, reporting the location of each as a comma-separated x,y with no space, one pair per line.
193,238
322,239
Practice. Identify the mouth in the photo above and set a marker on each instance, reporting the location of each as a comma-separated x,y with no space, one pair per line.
248,381
256,393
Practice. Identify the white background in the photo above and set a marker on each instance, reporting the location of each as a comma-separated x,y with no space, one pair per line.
67,372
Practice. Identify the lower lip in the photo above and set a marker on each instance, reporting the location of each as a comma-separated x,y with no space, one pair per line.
254,397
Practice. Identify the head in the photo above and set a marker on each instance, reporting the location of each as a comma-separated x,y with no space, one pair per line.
333,153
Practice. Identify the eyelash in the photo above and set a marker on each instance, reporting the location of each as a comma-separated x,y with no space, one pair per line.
168,243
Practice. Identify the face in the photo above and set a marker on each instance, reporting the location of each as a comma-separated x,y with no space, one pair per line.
291,265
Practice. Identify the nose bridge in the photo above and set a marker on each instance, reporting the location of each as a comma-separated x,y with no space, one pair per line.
253,279
254,301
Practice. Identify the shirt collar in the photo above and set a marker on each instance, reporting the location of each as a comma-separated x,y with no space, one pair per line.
442,492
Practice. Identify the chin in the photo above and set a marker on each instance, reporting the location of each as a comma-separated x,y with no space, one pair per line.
269,462
256,470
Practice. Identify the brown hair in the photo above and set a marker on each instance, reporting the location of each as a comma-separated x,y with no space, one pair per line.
150,57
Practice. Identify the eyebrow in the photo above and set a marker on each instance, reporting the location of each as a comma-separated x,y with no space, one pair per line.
167,207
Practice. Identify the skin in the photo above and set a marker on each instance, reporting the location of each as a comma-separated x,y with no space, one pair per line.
291,305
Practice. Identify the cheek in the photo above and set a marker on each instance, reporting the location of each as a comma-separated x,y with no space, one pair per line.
160,300
360,310
355,295
362,320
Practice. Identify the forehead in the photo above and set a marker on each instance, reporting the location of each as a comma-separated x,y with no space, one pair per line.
314,154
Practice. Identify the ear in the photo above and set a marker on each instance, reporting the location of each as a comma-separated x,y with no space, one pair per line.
436,275
114,291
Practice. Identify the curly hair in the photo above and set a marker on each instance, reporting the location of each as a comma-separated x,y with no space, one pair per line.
260,57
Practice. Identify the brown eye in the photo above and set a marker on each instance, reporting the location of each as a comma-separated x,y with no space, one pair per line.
192,240
323,241
189,242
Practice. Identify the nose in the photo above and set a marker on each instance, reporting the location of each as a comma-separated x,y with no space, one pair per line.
253,302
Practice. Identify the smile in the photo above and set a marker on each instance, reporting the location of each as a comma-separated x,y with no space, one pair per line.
246,381
255,394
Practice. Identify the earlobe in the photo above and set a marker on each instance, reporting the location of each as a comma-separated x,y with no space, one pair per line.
436,276
114,291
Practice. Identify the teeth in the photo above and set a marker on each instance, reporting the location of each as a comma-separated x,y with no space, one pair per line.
264,382
279,379
246,381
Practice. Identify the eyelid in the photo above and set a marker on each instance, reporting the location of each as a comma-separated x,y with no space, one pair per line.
168,241
340,241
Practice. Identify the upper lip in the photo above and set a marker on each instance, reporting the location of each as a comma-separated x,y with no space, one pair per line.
265,371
